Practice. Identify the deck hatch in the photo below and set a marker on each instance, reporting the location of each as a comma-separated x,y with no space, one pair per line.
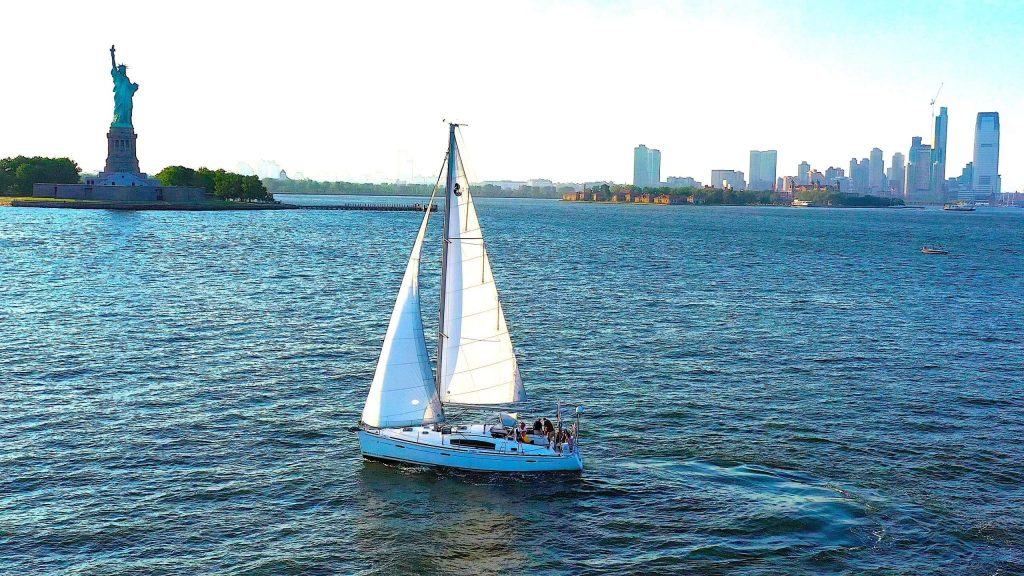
470,443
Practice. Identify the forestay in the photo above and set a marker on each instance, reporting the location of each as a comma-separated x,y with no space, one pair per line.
403,391
477,363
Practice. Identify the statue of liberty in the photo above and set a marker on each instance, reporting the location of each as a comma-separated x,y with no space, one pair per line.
124,90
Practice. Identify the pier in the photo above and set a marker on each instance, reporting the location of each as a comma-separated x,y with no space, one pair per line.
379,207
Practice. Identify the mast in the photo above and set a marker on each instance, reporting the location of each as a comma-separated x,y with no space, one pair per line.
450,181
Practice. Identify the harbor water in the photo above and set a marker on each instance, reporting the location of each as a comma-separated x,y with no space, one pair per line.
767,391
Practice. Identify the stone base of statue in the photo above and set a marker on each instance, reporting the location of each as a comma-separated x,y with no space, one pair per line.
121,156
102,191
121,180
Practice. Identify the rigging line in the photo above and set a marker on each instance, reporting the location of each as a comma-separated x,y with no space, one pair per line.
437,182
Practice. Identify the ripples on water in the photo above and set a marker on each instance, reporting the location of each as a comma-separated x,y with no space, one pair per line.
768,390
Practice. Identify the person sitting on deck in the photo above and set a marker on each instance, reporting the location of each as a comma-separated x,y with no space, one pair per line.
521,433
538,426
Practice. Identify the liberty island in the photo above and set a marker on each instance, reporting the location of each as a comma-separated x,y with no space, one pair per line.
121,180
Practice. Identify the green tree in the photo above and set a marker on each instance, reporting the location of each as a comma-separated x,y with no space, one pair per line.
177,176
227,185
18,174
205,178
254,190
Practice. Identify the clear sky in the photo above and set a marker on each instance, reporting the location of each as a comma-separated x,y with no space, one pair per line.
558,90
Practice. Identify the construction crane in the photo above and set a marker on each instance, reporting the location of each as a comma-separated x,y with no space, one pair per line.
935,99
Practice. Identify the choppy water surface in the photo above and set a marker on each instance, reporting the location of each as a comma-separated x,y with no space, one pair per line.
768,391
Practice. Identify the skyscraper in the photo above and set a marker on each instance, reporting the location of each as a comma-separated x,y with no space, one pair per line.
763,165
938,172
986,156
655,167
876,171
832,174
802,173
859,175
898,174
964,183
918,186
646,167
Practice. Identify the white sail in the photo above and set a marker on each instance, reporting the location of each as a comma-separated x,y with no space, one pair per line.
477,364
403,391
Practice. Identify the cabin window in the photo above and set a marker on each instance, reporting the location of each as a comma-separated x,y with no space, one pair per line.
472,443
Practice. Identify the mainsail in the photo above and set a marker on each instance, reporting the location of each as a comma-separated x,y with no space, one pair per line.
476,362
403,392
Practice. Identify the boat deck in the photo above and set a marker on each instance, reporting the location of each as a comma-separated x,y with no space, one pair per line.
469,447
474,437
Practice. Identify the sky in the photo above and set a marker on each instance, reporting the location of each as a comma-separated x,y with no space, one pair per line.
561,90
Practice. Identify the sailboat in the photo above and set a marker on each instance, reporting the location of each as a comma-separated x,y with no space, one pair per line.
405,416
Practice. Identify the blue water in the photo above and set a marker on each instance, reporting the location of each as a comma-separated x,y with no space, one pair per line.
769,391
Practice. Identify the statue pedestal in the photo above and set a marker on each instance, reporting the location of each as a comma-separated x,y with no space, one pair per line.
121,156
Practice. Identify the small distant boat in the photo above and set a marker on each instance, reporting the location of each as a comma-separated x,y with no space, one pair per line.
959,206
933,250
803,204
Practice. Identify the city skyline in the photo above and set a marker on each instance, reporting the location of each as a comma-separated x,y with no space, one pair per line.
319,92
925,181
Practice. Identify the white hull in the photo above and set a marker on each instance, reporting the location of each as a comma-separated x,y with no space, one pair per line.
423,446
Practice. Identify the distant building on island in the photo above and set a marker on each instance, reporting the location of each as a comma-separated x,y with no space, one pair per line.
646,167
728,179
627,196
816,186
681,182
505,184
